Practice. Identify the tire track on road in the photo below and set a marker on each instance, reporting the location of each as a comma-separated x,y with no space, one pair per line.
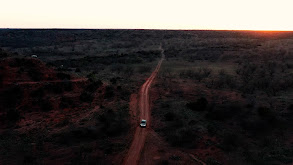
138,141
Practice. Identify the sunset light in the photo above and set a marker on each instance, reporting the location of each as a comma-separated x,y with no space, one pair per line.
151,14
146,82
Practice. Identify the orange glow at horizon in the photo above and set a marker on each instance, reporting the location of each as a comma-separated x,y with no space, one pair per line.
152,14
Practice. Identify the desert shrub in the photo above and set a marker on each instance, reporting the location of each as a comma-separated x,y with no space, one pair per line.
224,111
67,85
46,105
200,105
3,54
1,80
86,97
35,75
12,96
21,70
165,105
92,77
74,135
198,74
114,122
94,85
246,72
17,62
175,157
39,93
177,123
184,137
290,107
192,122
128,71
266,76
271,117
13,115
213,128
28,159
222,80
163,162
256,126
144,69
264,111
125,93
77,70
231,142
212,161
110,147
55,88
63,76
114,80
109,93
270,154
66,102
63,122
170,116
117,68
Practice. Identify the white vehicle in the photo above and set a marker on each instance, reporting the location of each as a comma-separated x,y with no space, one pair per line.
143,123
34,56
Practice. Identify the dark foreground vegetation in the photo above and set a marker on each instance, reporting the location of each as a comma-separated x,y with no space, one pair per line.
223,96
231,95
70,104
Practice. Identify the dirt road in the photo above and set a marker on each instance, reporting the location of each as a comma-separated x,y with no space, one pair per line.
137,144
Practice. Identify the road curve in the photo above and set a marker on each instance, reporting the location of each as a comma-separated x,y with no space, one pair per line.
138,141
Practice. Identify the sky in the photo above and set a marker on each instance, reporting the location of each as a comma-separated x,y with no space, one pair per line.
148,14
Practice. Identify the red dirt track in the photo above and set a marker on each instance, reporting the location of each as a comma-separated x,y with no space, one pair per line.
137,144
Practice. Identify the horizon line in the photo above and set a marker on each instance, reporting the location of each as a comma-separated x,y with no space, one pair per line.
66,28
